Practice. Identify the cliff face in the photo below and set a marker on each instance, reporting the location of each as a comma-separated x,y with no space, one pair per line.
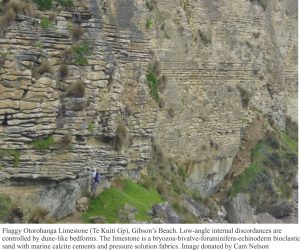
217,63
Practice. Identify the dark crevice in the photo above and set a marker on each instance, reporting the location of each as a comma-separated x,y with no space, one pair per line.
5,120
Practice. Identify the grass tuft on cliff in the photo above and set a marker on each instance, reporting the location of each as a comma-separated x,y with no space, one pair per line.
43,144
153,84
112,200
80,53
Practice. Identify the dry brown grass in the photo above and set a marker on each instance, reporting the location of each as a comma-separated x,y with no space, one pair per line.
76,90
19,7
63,71
67,56
117,183
7,18
36,215
39,71
245,96
77,33
52,17
122,138
65,141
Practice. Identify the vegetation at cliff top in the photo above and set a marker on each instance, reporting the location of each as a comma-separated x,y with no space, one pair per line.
112,200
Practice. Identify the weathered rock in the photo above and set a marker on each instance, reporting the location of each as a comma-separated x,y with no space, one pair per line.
74,104
82,204
196,208
127,213
239,210
57,198
265,218
205,110
278,210
165,212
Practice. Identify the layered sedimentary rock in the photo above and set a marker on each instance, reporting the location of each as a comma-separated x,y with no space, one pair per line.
221,61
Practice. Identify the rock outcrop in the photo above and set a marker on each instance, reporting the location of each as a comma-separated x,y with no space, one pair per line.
69,92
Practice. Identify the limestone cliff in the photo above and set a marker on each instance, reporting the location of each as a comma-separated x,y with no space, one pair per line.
75,94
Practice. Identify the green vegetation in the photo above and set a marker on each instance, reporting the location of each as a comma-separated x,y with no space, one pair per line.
244,180
43,144
169,181
149,23
11,154
153,83
43,4
112,200
45,23
5,208
91,127
273,166
80,53
66,3
39,44
182,172
292,143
